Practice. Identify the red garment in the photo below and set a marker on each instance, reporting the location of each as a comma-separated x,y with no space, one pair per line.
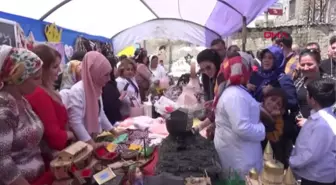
54,117
46,178
149,169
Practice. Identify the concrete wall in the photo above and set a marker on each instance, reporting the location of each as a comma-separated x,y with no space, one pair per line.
301,35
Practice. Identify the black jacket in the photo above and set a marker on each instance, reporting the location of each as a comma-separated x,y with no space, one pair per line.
111,102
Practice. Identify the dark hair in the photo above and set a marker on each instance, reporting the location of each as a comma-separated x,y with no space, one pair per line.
113,60
47,54
209,55
278,92
332,40
233,48
154,57
122,57
217,41
162,47
286,39
183,79
212,56
139,55
250,53
322,91
311,52
314,44
78,55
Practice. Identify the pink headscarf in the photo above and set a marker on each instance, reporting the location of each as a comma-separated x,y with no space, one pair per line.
94,68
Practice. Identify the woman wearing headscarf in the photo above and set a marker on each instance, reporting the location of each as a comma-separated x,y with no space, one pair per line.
77,56
71,74
85,109
21,130
261,82
268,76
142,74
158,71
208,69
238,130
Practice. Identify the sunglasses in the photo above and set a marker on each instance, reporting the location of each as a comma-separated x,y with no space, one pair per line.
312,50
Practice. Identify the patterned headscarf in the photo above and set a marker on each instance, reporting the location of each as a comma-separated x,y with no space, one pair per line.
71,73
17,64
235,70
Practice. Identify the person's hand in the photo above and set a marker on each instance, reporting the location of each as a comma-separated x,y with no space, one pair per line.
208,104
122,95
300,121
266,89
118,131
96,145
210,132
251,87
70,136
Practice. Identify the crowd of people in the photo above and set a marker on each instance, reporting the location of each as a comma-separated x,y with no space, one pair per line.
281,96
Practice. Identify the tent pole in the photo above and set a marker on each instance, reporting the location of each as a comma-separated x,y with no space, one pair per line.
244,34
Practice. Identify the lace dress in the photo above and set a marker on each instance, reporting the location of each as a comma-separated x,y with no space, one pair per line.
21,132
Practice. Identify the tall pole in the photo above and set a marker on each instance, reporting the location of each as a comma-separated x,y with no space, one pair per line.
244,34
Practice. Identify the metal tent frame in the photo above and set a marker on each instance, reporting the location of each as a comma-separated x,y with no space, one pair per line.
244,30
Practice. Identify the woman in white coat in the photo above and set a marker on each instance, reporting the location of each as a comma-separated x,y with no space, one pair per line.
83,100
238,128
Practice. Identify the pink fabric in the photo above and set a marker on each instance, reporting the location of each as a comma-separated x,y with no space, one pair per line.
94,69
158,128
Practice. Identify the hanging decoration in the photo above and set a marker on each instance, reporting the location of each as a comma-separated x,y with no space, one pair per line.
52,33
84,44
128,51
68,51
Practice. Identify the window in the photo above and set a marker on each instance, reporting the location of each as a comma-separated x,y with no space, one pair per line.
292,6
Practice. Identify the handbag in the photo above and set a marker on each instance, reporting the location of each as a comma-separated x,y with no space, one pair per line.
136,108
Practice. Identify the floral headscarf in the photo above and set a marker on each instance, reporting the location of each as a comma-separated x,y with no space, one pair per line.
234,70
71,73
17,64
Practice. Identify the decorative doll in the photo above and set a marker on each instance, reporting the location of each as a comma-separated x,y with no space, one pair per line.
135,176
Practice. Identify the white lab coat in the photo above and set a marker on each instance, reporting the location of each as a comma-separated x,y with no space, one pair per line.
238,131
74,100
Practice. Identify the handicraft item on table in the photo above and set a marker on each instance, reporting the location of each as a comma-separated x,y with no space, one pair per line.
272,173
104,176
77,156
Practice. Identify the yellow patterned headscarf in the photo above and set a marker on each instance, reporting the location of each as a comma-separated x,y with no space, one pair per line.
17,64
72,70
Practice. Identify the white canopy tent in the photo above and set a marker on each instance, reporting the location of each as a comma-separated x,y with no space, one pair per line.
130,21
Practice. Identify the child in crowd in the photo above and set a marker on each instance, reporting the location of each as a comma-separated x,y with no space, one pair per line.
272,110
313,158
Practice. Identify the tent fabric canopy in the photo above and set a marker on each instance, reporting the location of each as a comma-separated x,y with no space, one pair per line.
208,18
